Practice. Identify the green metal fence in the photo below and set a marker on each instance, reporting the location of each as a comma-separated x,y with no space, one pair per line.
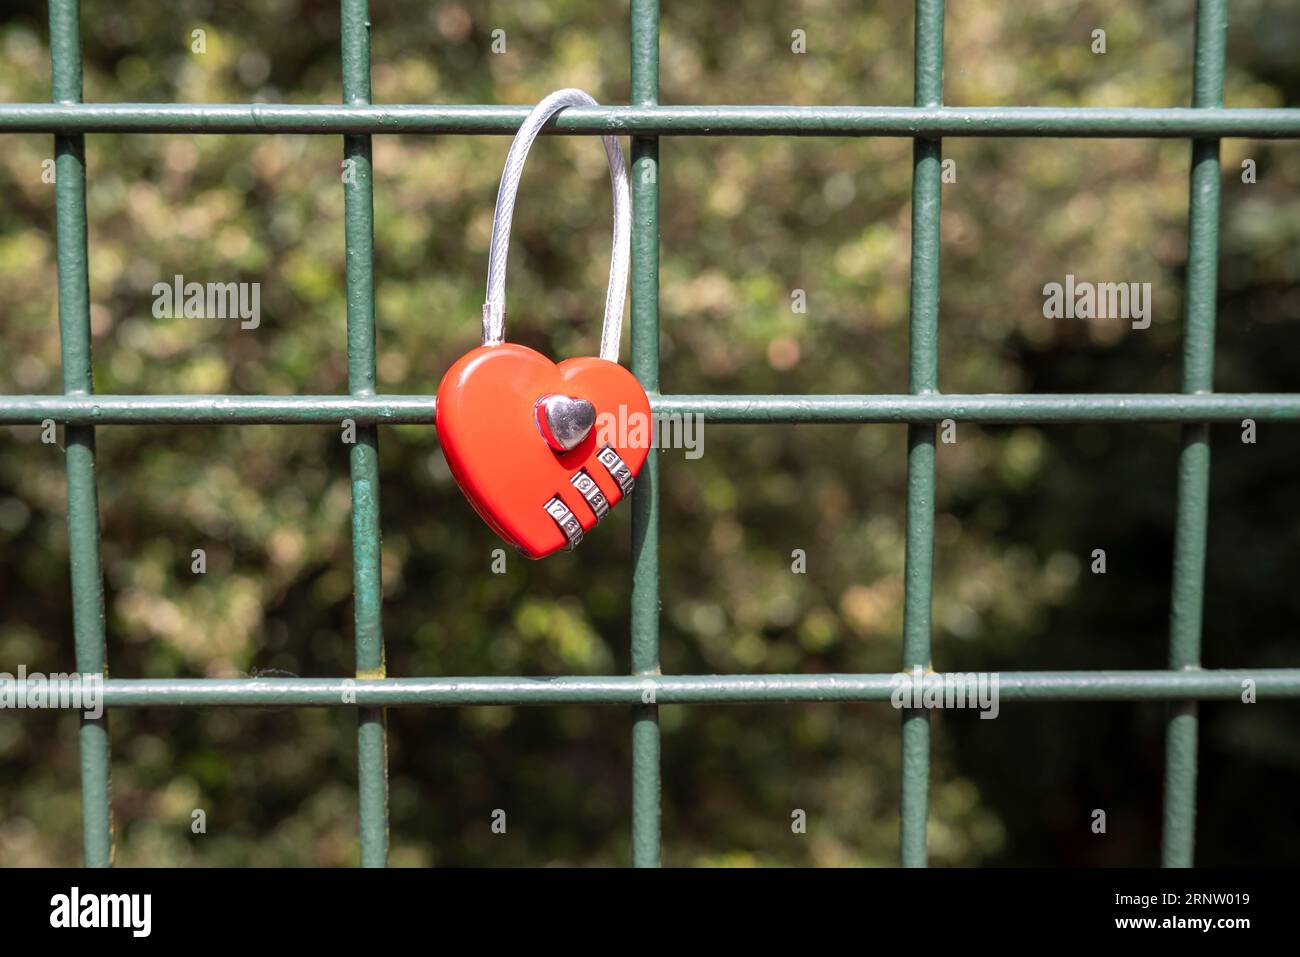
1182,684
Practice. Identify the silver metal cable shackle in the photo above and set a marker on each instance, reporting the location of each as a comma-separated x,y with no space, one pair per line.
494,308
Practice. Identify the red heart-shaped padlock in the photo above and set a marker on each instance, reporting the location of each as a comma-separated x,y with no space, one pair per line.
544,451
489,426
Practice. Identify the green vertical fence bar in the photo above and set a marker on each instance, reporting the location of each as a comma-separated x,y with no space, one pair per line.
83,502
359,239
646,825
923,379
1193,509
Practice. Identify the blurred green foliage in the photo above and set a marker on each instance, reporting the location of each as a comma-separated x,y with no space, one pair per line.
745,222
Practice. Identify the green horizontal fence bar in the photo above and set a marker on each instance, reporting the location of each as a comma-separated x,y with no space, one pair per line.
908,121
79,440
717,409
1222,685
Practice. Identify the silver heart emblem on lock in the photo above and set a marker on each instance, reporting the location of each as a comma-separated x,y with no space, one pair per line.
564,421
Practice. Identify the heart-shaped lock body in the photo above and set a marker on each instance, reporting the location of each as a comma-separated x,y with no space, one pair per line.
488,426
544,451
